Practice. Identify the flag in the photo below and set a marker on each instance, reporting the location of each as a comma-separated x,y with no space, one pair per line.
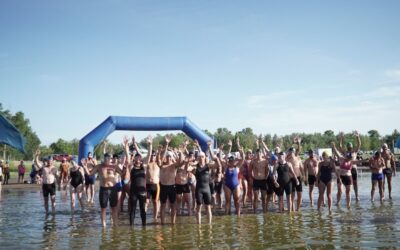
10,135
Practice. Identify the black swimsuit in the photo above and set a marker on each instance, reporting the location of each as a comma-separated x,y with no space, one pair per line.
76,178
203,192
326,174
138,192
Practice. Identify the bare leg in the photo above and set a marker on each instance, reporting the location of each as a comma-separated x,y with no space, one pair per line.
72,199
114,213
103,216
348,196
289,203
53,204
329,194
209,213
311,194
389,181
173,213
46,204
228,193
244,195
236,199
255,201
162,213
380,186
198,213
186,200
339,194
321,188
373,190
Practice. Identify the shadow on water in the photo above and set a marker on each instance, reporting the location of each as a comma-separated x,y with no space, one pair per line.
23,224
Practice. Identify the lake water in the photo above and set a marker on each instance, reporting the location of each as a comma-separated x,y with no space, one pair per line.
24,225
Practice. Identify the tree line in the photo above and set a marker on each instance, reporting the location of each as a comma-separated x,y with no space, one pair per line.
370,141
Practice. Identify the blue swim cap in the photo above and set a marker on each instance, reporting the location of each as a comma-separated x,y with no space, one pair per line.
274,158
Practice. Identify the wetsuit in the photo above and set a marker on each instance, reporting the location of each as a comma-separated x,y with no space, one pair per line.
203,192
231,178
325,174
285,184
76,178
138,192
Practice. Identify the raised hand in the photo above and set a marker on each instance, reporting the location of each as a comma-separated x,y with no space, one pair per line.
149,139
167,139
230,143
125,141
221,146
209,143
37,152
356,133
187,142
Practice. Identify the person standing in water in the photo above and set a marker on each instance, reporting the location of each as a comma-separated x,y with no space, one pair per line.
311,170
390,168
76,178
108,192
324,179
50,177
377,163
346,162
353,152
283,170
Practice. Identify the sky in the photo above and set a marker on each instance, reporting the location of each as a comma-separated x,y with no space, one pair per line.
279,67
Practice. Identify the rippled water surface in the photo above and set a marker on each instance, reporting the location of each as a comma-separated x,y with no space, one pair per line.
24,225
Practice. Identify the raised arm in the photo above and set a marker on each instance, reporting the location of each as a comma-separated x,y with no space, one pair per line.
164,153
149,148
104,147
36,161
241,161
297,140
358,144
209,143
229,147
341,140
136,146
335,151
125,144
197,144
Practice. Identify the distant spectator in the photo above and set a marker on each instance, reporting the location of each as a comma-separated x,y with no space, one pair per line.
1,172
6,172
21,172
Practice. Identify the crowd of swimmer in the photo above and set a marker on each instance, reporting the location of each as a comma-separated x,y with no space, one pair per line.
180,176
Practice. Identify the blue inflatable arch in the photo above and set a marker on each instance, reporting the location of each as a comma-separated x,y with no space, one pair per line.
112,123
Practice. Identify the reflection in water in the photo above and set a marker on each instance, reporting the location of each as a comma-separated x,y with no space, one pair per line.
367,225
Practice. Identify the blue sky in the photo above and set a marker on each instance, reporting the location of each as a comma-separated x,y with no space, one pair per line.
275,66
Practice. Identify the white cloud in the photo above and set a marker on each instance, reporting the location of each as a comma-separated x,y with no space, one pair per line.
393,74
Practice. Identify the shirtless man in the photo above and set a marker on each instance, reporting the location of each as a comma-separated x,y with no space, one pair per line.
167,181
377,163
153,178
108,191
353,152
390,168
259,173
50,176
294,159
311,170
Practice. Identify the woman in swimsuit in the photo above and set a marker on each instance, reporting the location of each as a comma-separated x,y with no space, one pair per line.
232,187
346,164
76,177
324,179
